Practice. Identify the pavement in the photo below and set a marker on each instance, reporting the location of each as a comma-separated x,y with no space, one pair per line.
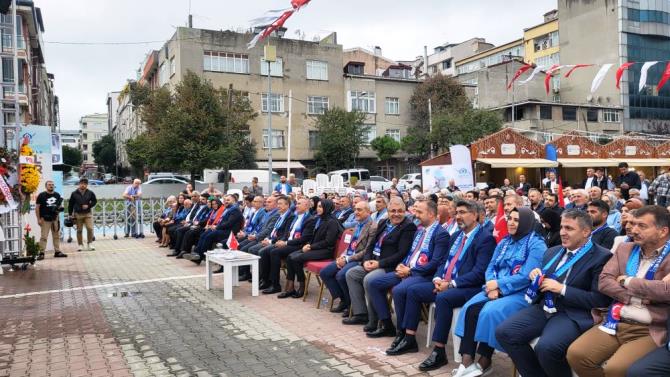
127,310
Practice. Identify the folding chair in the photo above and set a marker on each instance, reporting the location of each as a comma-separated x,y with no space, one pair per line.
315,267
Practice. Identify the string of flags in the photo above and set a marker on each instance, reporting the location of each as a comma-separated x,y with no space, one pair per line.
273,20
597,80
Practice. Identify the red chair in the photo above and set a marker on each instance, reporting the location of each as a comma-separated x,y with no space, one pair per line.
315,267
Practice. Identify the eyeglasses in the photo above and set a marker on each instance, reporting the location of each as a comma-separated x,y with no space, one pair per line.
396,211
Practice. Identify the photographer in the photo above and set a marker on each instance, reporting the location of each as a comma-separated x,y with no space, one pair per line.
49,205
133,195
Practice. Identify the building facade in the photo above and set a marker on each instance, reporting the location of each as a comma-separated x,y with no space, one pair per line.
71,138
444,57
92,128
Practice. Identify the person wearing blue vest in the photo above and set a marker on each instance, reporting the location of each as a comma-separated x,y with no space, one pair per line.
503,294
427,253
282,187
562,294
458,279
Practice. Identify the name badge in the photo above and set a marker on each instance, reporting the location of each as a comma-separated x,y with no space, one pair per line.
377,251
347,238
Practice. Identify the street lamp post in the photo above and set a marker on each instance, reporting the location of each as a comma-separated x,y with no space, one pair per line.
270,55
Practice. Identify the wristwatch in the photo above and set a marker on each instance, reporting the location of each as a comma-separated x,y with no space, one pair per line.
452,284
622,281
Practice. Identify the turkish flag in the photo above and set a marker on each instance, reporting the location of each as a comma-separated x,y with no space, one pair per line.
232,242
561,200
500,227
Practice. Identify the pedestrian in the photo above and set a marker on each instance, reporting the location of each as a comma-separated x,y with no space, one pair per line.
133,196
80,207
48,206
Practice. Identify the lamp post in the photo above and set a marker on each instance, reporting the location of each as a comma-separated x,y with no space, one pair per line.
270,56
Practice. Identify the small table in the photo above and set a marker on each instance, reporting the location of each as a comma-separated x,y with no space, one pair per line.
230,270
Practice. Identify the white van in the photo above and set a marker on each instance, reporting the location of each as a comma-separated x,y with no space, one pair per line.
363,176
240,178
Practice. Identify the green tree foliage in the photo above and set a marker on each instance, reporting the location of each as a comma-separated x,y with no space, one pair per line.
72,159
341,136
192,128
385,147
463,127
104,152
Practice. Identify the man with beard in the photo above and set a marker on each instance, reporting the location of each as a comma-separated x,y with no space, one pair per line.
602,235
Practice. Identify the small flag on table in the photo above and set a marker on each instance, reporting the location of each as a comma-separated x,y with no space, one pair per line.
232,242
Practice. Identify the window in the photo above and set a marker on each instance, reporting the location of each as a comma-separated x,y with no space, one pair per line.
163,75
85,136
386,172
592,115
446,64
276,68
569,113
85,147
173,66
362,101
371,133
276,103
392,106
277,139
356,69
226,62
545,112
314,140
394,133
317,70
317,104
611,116
85,157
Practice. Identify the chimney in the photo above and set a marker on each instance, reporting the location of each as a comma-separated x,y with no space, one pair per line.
378,51
425,61
190,21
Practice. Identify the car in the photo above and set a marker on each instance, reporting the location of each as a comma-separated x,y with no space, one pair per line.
362,176
109,178
410,181
182,177
95,182
168,181
379,183
71,180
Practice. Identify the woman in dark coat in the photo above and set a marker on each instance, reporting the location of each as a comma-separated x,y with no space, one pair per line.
551,221
327,231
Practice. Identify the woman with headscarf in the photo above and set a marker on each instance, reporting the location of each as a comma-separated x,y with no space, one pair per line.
327,231
506,282
315,203
551,221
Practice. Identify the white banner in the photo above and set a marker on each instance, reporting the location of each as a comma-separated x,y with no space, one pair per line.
56,149
462,166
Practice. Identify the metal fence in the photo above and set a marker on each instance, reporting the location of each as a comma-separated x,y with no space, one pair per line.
111,217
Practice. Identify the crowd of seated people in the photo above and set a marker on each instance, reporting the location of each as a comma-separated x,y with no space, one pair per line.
579,285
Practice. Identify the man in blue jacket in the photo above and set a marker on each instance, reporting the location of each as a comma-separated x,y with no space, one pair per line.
562,295
231,221
426,254
460,277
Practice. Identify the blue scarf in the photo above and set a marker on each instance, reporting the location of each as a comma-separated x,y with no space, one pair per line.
516,264
278,225
351,249
377,251
419,253
253,223
633,264
454,249
297,232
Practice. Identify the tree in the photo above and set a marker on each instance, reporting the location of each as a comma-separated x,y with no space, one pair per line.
385,147
463,128
447,96
104,152
72,158
341,135
138,153
192,128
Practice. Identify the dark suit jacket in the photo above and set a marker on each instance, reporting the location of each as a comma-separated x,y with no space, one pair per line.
232,221
305,237
395,245
326,236
474,262
438,250
602,183
344,215
285,228
524,188
605,238
267,227
581,293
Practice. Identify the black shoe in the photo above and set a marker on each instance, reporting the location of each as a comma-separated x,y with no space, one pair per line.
58,254
271,290
286,294
181,255
193,257
355,320
265,285
244,277
298,294
369,327
218,270
398,338
406,345
342,307
436,359
40,256
385,329
172,254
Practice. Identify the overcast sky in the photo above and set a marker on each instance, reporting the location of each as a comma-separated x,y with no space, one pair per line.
85,73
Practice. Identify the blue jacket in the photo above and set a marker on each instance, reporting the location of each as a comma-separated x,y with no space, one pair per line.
232,221
509,283
437,252
474,262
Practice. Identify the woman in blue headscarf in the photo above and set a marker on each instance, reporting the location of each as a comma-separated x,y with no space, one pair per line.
506,282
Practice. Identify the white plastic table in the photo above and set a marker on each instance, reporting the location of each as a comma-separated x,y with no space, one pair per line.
230,270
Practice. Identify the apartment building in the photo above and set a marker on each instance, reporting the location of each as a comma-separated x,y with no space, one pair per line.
92,128
71,138
444,57
541,42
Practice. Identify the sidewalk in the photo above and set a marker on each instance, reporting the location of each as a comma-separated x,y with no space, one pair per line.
127,310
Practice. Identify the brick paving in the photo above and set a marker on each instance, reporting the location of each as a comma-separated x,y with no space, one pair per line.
143,314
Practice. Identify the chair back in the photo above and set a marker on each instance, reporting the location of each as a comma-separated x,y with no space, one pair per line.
336,181
343,242
322,181
309,187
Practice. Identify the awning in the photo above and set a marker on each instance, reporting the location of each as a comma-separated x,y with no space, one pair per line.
633,162
586,162
280,165
518,162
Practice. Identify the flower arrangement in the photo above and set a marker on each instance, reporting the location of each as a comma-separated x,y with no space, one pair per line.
30,176
32,246
8,159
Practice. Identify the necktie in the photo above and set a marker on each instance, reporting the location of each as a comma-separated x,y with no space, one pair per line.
452,263
569,255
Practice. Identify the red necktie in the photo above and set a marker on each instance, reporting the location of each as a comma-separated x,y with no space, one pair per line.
452,263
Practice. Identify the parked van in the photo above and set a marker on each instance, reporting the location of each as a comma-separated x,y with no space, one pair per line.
240,178
363,176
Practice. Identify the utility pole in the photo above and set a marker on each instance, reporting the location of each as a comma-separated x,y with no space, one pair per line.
288,151
226,179
430,126
270,55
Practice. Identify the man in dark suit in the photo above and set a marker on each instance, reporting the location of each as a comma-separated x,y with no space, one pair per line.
602,234
523,185
427,253
231,221
562,295
459,278
392,240
655,364
279,231
627,180
345,209
590,179
601,179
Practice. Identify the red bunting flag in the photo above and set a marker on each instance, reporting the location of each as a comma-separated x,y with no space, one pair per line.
548,75
619,72
574,67
664,77
561,199
500,228
518,74
278,22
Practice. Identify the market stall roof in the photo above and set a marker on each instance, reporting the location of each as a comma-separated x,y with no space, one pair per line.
586,162
573,145
634,162
518,162
507,144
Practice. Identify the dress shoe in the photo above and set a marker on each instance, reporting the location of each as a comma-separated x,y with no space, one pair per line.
342,307
435,360
271,290
298,294
286,294
406,345
172,254
399,336
59,254
369,327
345,314
265,285
385,329
355,320
193,257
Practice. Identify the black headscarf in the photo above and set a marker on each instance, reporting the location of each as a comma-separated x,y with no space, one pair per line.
552,218
328,207
527,222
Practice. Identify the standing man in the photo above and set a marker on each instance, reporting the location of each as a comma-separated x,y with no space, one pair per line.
627,180
49,205
590,179
601,179
82,201
562,295
256,189
603,235
523,185
133,195
660,188
644,188
283,187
